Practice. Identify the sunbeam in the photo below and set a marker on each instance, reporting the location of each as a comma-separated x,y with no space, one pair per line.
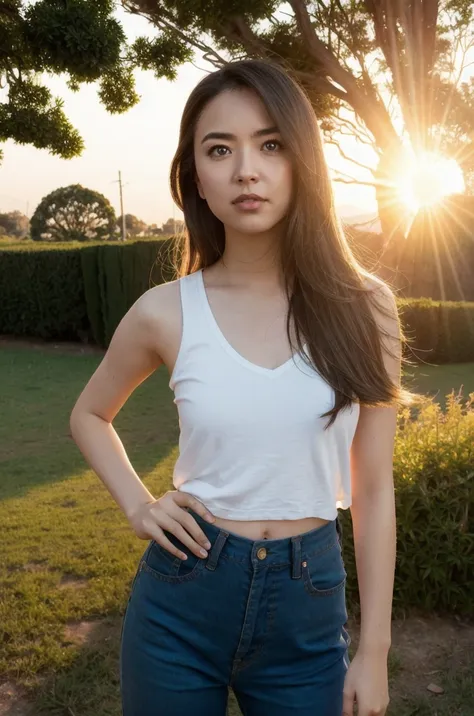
426,179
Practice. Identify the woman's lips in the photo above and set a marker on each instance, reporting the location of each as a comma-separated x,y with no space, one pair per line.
249,204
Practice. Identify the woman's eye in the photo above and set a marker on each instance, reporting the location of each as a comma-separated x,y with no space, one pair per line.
274,141
212,150
217,146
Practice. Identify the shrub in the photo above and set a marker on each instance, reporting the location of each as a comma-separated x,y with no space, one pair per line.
434,496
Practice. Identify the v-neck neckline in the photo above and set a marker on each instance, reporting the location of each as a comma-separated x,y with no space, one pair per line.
269,372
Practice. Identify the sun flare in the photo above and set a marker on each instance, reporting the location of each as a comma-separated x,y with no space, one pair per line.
428,178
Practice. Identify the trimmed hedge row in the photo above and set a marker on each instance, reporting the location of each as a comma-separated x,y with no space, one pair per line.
81,293
78,293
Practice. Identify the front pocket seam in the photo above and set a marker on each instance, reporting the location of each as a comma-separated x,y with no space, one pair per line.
314,591
198,568
164,552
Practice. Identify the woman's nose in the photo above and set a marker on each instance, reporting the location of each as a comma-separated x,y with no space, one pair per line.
246,170
243,178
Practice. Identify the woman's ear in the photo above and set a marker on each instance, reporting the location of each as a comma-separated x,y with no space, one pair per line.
198,184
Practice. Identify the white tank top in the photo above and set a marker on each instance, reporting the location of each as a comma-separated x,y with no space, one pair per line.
252,444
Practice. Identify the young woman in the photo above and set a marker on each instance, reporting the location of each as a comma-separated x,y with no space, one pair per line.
284,359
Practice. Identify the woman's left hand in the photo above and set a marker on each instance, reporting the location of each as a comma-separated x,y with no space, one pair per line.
366,683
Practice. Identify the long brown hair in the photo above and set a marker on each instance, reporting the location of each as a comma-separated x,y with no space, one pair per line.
328,293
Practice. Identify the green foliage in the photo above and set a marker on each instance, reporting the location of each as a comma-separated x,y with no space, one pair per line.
433,477
73,213
439,331
42,294
163,54
117,89
31,116
80,38
77,293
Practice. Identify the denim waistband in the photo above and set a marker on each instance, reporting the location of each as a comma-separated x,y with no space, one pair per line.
268,552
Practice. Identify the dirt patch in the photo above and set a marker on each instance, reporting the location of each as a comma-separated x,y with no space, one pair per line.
69,503
62,347
39,565
12,702
89,632
71,582
423,651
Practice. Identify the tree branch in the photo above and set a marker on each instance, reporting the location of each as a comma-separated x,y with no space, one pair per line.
238,28
166,20
359,132
324,57
340,180
364,104
322,84
347,158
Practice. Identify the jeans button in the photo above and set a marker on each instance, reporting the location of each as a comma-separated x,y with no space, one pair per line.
262,553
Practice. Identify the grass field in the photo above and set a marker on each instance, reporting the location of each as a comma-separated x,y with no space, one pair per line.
68,554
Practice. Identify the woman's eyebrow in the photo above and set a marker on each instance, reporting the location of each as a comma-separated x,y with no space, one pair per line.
227,135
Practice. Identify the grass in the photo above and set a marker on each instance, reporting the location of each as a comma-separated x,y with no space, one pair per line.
68,553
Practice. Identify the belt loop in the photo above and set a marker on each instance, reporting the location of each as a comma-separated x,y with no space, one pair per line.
211,562
296,557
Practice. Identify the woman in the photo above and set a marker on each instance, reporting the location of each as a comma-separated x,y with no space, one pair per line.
284,358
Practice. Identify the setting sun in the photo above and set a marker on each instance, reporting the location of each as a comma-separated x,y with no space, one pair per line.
427,179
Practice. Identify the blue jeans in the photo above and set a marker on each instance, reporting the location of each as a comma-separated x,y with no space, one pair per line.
264,617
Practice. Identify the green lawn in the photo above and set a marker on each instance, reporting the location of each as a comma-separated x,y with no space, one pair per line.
68,554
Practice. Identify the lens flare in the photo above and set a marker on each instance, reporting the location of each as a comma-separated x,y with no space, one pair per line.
428,178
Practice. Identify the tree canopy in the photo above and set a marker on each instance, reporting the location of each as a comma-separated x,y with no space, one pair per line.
133,225
78,38
73,213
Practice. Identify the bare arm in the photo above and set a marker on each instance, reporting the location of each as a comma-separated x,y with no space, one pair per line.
129,360
373,503
373,522
131,357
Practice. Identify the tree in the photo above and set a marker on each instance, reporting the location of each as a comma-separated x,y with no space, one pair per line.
133,225
80,39
73,213
154,230
173,226
367,65
15,224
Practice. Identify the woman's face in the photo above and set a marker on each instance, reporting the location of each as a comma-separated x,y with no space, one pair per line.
242,162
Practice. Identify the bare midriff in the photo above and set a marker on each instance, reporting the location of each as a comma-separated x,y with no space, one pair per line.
269,529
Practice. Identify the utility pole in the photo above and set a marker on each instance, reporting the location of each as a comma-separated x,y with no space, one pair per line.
124,234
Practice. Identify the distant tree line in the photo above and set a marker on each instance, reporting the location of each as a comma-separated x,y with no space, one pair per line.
75,213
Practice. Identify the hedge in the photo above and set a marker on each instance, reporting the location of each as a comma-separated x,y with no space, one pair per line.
77,293
81,293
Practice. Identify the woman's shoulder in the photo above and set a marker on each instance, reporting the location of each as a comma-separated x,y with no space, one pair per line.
374,283
382,300
379,289
159,312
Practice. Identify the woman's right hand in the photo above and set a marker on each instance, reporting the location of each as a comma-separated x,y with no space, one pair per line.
151,519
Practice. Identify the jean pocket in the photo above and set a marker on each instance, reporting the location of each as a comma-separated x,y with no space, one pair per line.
166,567
324,574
